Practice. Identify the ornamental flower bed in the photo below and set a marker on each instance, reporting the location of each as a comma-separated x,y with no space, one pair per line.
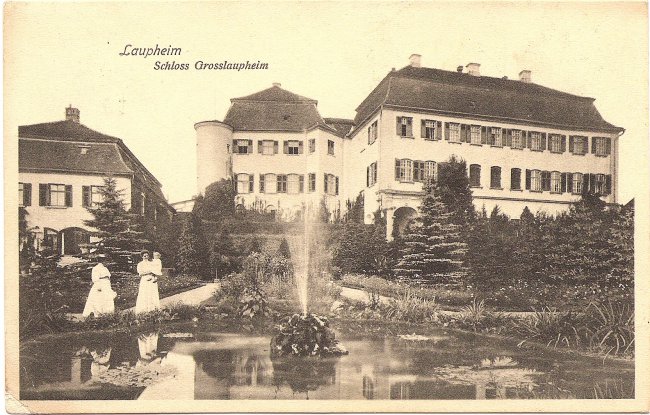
305,335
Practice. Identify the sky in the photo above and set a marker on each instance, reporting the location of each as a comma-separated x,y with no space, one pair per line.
69,54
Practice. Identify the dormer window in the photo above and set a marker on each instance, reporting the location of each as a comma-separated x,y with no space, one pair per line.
84,149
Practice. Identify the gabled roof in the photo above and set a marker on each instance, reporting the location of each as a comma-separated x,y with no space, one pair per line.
341,125
483,97
71,131
274,109
64,156
275,93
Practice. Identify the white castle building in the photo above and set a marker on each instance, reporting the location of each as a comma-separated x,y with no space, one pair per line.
524,145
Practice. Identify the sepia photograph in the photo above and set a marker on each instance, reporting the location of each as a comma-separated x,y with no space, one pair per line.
326,206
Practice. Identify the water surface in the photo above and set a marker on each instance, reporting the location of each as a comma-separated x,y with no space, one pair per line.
188,363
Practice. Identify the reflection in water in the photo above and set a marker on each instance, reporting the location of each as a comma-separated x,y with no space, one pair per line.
212,366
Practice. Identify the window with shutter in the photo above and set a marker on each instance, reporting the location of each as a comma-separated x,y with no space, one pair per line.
430,170
599,184
515,179
495,177
535,181
268,147
600,146
496,137
454,132
475,135
312,182
270,183
576,187
300,147
56,195
372,133
282,183
556,182
330,147
429,129
555,143
474,175
242,146
312,145
293,147
535,141
293,184
242,183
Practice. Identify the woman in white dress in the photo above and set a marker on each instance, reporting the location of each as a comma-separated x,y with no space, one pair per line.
148,299
101,295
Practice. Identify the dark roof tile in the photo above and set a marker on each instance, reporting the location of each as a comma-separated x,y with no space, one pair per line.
50,155
483,97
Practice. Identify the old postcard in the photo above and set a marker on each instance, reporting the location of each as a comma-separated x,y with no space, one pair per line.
326,207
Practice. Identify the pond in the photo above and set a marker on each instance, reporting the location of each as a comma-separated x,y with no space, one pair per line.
190,362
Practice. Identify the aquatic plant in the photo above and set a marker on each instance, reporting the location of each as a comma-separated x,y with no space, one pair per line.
610,327
552,327
409,307
305,335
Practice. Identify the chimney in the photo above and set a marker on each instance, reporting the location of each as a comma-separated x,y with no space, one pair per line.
459,69
524,76
279,85
72,114
414,59
474,69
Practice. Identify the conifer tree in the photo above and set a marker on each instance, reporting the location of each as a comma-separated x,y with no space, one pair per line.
452,186
192,258
283,249
223,256
120,238
433,248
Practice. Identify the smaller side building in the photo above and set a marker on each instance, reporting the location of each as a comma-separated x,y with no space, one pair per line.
61,169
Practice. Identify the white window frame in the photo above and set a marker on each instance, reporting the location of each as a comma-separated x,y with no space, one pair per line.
372,133
331,184
242,144
281,183
404,123
535,141
555,143
430,170
406,170
577,183
454,132
475,134
270,183
293,147
311,186
96,196
580,145
59,190
517,139
536,180
243,180
293,184
330,147
372,174
497,136
429,130
268,147
556,182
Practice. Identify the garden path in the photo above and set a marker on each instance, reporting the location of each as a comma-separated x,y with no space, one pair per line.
194,297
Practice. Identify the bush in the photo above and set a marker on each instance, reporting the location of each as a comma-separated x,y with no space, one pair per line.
411,308
610,327
553,327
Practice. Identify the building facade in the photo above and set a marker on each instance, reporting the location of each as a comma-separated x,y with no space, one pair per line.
61,169
525,145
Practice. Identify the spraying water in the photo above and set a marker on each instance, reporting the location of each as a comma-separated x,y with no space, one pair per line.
299,248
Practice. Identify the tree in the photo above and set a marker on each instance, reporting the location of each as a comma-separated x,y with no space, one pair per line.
433,247
452,186
360,249
224,258
491,245
26,250
118,231
354,211
192,249
217,203
283,249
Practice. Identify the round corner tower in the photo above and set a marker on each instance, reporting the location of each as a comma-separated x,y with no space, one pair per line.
213,149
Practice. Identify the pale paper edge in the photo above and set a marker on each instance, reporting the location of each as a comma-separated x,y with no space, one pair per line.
14,405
